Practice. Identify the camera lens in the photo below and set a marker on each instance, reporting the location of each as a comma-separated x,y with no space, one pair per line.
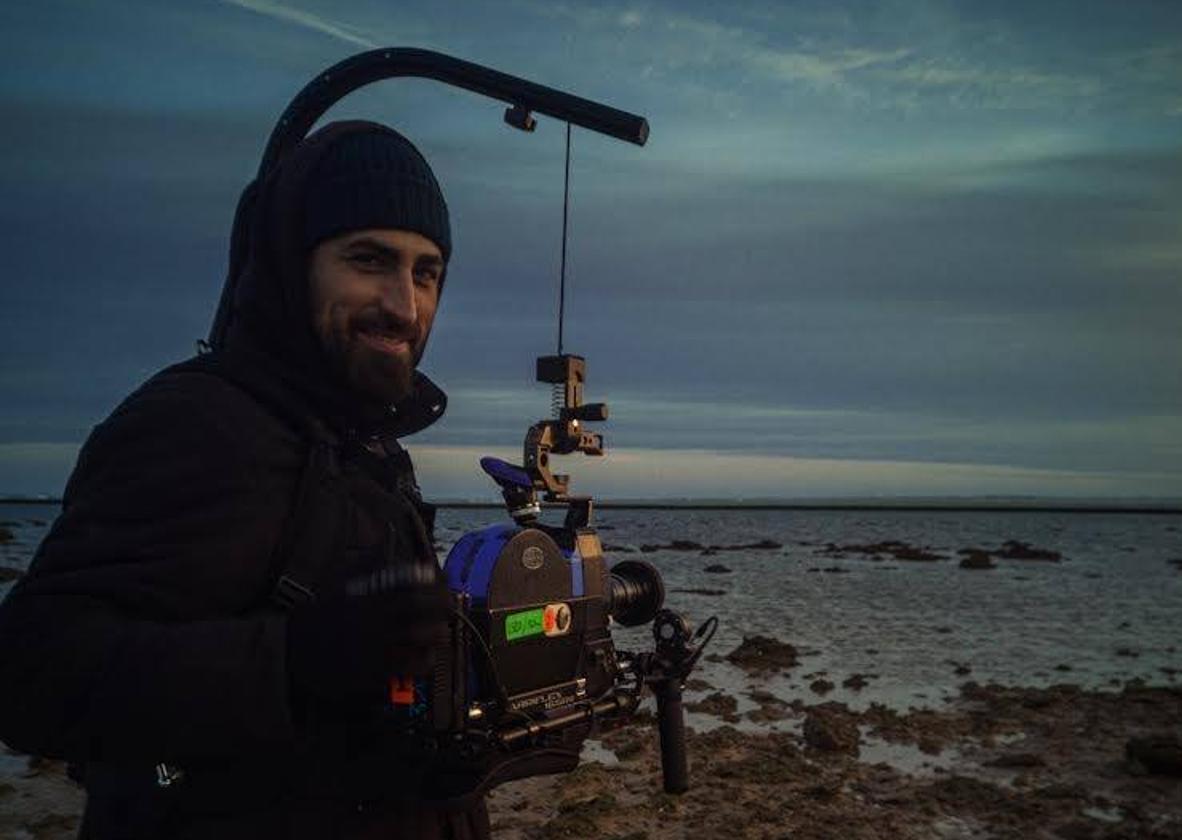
637,592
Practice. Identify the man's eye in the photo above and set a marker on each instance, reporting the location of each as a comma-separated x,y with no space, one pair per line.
427,275
367,262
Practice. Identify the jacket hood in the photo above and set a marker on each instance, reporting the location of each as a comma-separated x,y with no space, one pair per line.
272,323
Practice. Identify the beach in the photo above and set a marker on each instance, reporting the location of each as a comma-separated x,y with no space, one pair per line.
892,674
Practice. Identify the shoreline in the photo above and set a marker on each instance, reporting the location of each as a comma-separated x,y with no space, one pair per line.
1168,507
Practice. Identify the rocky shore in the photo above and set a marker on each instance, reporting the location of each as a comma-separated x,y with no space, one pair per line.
998,762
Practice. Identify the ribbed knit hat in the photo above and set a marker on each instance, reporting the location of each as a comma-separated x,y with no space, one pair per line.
374,179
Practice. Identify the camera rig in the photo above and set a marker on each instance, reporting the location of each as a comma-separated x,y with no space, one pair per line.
536,601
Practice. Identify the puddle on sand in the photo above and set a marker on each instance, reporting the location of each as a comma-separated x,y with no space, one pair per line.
1106,815
905,758
594,750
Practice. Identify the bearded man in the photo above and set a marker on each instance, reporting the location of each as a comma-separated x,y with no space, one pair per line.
243,558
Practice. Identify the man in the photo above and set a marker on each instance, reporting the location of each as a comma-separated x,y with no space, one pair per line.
243,560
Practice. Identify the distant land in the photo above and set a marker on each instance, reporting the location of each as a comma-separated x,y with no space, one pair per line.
891,503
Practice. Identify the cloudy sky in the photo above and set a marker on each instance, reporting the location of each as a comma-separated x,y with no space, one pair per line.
919,248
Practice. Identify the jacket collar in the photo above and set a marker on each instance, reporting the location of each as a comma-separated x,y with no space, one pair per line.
348,416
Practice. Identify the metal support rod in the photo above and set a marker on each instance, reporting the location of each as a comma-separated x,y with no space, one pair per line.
562,269
352,73
614,704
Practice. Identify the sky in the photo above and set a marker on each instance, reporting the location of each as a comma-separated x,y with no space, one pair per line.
870,250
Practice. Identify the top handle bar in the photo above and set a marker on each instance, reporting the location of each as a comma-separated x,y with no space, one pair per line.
347,76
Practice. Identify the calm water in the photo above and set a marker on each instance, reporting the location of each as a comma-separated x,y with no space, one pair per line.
1111,610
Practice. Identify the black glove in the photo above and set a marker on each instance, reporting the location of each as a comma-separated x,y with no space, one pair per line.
347,644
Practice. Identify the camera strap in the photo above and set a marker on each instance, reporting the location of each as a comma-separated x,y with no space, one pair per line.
314,527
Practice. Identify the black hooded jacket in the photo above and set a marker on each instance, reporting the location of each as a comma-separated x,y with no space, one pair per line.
144,632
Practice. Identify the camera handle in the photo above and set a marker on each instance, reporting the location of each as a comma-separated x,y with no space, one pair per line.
671,726
678,650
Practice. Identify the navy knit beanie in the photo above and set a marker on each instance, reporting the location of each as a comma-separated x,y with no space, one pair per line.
374,179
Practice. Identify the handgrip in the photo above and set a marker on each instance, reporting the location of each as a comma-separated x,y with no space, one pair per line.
671,725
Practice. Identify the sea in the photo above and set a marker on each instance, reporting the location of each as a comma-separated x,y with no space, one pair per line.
1108,612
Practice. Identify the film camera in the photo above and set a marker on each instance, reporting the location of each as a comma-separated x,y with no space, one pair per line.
533,662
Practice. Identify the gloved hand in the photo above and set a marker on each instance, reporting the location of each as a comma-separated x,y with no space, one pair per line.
348,643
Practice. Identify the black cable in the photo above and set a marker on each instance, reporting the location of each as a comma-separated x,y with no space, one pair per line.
492,662
562,270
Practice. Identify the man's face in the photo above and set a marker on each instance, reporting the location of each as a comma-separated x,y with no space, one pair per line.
374,294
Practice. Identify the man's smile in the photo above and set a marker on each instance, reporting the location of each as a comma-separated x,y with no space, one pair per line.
385,342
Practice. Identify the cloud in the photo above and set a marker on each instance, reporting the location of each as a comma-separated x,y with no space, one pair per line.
307,20
819,68
902,57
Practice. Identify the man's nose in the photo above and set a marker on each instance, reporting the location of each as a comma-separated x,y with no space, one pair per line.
398,296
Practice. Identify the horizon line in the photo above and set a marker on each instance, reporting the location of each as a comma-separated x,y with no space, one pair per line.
967,504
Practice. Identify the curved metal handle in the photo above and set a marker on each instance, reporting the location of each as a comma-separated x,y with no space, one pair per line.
347,76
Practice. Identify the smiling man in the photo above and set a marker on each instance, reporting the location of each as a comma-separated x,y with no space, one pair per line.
243,559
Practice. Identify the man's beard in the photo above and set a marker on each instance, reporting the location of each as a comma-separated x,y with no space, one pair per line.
385,378
378,375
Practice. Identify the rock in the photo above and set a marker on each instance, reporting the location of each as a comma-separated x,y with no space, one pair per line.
6,535
899,550
763,696
830,727
697,684
718,569
676,545
917,554
760,653
1081,829
618,549
1126,651
771,708
1016,550
700,591
1017,760
7,573
929,745
977,560
1176,563
1159,754
821,686
855,682
768,713
761,545
717,704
